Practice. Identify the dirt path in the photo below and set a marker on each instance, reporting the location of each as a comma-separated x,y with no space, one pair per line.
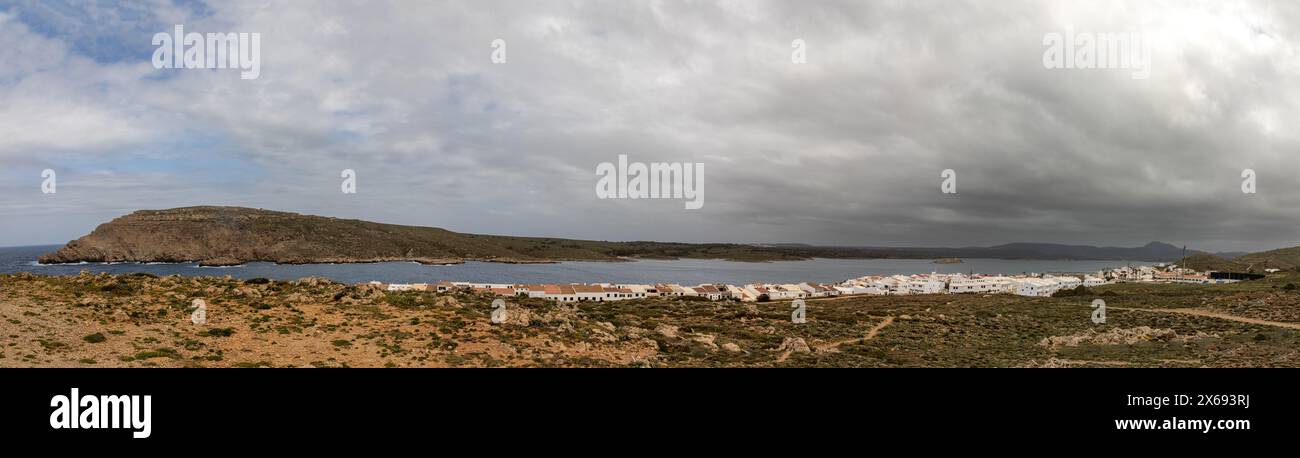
835,346
876,329
1081,362
784,356
1114,363
871,334
1209,314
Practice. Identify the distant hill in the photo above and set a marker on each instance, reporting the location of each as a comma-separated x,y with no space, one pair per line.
1154,252
1206,261
1283,258
234,235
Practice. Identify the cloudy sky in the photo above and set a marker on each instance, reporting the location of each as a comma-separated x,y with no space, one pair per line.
845,148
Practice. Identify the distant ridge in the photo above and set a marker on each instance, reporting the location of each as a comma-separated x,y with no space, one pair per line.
1151,252
213,235
1206,261
1281,259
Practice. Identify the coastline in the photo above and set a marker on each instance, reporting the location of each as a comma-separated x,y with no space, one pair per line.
223,262
620,270
715,271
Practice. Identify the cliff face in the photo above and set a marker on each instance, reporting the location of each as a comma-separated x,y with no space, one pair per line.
232,235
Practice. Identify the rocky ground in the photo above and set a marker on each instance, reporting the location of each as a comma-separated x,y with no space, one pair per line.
141,320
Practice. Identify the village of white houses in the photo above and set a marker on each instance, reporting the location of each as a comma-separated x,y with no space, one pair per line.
1029,284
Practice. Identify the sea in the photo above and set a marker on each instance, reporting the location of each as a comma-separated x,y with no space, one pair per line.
685,271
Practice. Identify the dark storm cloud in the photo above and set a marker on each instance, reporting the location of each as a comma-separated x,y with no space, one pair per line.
846,148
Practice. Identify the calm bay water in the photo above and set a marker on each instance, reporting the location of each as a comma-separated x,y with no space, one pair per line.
688,271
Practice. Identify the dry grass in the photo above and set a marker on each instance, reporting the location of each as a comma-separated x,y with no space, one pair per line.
144,321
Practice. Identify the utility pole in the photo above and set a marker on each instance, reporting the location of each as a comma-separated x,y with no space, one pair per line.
1182,264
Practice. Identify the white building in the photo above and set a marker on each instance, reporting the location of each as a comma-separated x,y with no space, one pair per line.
793,291
709,291
754,290
1039,287
670,289
1003,285
959,284
1066,282
595,293
926,285
894,285
536,291
816,290
562,293
641,291
743,294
